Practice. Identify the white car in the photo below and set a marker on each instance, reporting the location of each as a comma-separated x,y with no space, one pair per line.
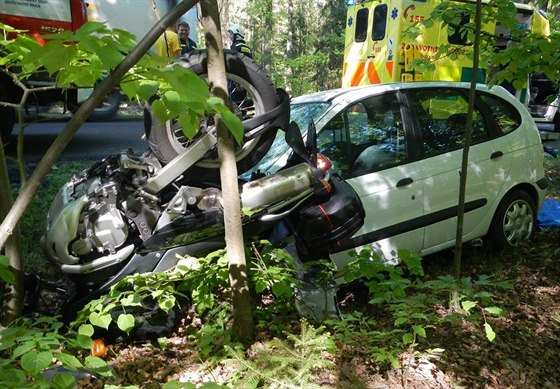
400,147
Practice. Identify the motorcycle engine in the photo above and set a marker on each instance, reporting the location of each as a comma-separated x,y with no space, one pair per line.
99,214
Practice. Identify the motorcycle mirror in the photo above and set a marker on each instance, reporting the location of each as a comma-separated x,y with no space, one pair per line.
312,141
295,141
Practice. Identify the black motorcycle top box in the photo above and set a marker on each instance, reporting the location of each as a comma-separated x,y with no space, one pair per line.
322,223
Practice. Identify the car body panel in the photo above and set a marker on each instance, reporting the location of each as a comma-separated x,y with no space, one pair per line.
413,204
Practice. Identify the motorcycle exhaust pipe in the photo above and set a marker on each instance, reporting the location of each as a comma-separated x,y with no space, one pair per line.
283,185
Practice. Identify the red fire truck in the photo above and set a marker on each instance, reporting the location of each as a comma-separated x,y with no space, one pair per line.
37,17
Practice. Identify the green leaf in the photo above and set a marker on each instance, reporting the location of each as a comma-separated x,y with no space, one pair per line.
109,56
69,361
64,381
98,365
125,322
490,334
132,300
468,305
495,311
189,123
86,330
85,342
167,303
400,320
5,273
420,331
15,377
22,349
234,124
408,338
35,362
160,111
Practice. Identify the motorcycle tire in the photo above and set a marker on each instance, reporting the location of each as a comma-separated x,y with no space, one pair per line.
262,95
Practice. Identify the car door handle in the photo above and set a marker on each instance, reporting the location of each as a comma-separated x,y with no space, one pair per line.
496,154
404,182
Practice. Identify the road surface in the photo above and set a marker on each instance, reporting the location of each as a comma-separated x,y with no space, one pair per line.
93,141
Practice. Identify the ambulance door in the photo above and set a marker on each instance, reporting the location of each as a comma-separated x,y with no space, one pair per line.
356,44
381,46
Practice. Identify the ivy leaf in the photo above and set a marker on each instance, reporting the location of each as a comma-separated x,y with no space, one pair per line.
35,362
86,330
490,334
125,322
100,320
167,303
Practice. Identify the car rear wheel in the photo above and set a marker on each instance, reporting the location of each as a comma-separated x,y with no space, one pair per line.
514,221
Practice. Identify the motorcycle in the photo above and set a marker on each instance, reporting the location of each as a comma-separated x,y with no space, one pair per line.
132,213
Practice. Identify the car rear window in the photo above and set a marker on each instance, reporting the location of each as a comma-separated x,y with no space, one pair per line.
506,115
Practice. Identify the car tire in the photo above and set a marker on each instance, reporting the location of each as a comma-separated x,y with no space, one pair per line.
514,221
108,107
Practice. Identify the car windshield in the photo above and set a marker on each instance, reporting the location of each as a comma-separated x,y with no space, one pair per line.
277,155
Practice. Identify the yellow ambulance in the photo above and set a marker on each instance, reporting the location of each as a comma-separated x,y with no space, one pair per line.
377,49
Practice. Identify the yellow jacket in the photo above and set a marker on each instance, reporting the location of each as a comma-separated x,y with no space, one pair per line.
173,46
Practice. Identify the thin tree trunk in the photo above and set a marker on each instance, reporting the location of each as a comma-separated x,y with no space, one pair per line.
466,148
107,85
13,294
242,315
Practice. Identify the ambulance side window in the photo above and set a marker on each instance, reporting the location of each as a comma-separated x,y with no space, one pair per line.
362,17
379,22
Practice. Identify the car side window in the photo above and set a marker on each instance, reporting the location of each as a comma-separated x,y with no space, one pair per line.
505,114
442,116
366,137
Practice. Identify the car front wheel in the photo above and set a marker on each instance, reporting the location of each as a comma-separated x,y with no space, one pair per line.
514,221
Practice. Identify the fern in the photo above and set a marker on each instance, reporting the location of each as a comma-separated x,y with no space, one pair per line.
286,363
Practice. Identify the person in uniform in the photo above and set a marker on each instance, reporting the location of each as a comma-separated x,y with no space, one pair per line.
237,36
187,44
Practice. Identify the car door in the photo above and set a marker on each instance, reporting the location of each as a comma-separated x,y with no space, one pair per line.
440,115
367,143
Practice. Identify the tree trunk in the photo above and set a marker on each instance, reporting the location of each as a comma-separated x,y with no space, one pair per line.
242,316
465,158
12,302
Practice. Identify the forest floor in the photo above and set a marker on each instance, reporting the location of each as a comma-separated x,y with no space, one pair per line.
524,353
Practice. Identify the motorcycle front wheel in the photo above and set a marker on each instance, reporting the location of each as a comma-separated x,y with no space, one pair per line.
251,92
